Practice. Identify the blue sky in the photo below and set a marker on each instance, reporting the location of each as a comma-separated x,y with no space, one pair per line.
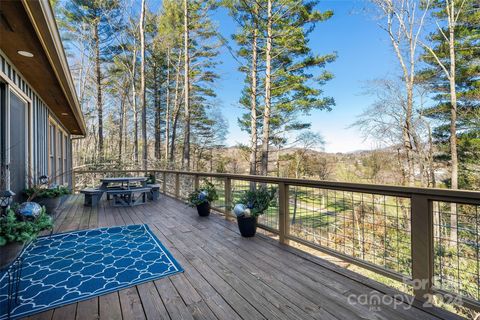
364,54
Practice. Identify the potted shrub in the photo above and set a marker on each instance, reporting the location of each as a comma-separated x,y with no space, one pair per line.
15,232
201,198
151,179
253,202
49,197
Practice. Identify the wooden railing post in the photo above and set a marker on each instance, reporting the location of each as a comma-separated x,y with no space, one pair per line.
177,185
283,212
196,182
228,197
73,181
422,245
164,182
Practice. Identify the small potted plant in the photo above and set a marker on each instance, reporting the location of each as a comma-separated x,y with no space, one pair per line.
151,179
253,203
49,197
16,231
201,198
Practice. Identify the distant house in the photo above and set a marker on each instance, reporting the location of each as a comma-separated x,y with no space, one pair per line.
40,113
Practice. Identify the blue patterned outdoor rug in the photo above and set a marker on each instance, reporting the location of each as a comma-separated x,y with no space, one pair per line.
74,266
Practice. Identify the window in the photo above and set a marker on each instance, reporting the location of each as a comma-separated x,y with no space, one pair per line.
65,160
57,151
3,135
51,150
60,158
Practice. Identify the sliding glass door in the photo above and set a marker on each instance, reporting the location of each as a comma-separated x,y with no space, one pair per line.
18,144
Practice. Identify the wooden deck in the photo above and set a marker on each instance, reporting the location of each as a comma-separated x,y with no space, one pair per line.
226,276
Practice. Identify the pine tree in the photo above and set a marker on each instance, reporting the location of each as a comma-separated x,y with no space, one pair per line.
104,19
247,15
169,44
189,59
453,58
200,51
289,86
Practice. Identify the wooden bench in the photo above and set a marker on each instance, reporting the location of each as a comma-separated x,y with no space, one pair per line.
129,197
110,188
155,192
92,196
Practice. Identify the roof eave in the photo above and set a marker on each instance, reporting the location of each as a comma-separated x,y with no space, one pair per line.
41,11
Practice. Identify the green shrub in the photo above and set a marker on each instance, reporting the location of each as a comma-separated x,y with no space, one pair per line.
258,200
151,179
207,193
14,230
36,192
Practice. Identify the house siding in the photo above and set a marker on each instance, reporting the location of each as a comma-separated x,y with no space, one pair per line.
40,114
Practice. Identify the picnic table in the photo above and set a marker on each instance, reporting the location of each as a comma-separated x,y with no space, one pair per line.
126,191
129,181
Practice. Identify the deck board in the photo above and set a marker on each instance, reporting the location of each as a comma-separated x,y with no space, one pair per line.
226,276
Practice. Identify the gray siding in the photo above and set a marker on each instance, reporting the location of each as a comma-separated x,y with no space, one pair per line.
39,116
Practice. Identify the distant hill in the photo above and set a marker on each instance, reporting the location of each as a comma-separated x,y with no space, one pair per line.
369,166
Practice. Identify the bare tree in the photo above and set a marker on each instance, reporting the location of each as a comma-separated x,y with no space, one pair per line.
323,168
305,142
384,123
404,25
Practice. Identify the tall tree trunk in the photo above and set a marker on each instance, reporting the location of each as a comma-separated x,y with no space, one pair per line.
266,112
431,168
450,72
176,112
125,130
407,133
174,134
167,108
158,113
186,139
121,124
253,99
409,29
98,82
134,107
142,87
277,161
135,136
453,121
295,198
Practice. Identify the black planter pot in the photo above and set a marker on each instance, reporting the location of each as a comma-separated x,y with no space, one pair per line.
247,226
9,252
50,204
204,209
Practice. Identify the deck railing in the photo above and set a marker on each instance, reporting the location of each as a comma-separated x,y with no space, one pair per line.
429,238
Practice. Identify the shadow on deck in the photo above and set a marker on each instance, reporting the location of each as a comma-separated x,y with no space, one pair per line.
226,276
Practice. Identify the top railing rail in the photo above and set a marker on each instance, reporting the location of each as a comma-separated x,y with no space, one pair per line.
433,193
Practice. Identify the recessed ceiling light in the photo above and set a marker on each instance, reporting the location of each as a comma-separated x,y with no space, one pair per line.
25,53
64,114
